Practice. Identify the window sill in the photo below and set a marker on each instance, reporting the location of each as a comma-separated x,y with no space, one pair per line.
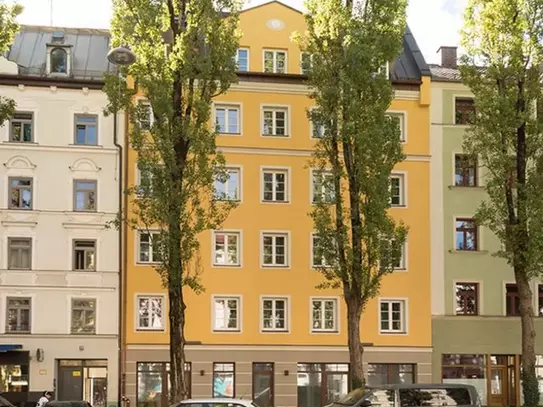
80,211
471,252
273,266
11,269
148,263
275,202
476,187
401,333
230,134
31,143
324,332
83,333
95,146
18,333
398,206
231,266
150,329
227,331
276,135
22,209
400,269
271,331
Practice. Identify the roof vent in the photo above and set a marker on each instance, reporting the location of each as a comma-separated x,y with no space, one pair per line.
58,37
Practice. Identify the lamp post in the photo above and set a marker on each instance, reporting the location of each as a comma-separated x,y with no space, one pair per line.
120,56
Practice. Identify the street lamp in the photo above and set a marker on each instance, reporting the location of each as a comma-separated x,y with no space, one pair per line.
120,57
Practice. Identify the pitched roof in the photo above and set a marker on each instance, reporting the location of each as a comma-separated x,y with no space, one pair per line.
89,48
410,65
443,74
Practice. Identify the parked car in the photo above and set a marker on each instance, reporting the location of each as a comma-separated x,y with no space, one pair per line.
412,395
218,402
57,403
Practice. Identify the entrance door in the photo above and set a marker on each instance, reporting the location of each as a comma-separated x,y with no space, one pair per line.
82,380
70,383
499,386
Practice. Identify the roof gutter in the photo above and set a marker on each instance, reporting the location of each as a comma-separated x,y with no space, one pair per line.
63,83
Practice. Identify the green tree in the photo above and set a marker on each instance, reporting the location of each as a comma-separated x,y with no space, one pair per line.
185,57
358,148
502,40
8,29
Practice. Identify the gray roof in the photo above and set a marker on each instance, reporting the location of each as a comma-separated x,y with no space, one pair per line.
410,65
89,51
443,74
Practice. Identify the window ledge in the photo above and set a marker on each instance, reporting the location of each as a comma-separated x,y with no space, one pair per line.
401,333
32,143
227,331
273,266
275,202
398,206
475,187
400,269
94,146
147,263
271,331
230,134
230,266
150,329
471,252
276,135
324,332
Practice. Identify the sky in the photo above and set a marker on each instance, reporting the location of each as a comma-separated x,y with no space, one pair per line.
433,22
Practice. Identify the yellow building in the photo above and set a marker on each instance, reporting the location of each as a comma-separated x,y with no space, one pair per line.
262,329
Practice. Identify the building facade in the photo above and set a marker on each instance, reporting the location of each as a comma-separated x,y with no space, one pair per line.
476,331
58,191
262,330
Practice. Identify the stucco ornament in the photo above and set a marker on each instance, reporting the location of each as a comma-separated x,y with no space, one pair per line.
275,24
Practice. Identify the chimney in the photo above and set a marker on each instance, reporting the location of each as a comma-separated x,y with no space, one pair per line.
448,57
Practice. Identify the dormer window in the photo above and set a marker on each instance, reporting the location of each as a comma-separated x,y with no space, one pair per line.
59,61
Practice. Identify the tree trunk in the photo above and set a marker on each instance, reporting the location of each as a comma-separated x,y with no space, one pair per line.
178,390
356,350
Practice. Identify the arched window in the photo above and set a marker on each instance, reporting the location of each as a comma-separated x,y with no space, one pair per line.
59,61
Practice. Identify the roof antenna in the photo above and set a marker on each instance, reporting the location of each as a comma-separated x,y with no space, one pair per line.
51,13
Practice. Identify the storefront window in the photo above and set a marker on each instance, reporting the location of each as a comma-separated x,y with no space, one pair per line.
224,380
321,384
390,373
13,378
465,369
154,383
263,390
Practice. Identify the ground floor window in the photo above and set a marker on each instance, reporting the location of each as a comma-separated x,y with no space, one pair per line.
153,381
13,378
224,379
263,389
321,384
390,373
82,380
465,369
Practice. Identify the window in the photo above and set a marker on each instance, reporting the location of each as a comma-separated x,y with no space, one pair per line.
242,59
540,300
263,384
324,315
397,190
464,110
275,249
390,373
466,235
149,248
145,115
275,122
512,300
84,196
59,60
150,313
467,299
145,183
306,63
226,314
275,185
318,258
392,316
18,311
399,118
83,316
156,375
228,187
84,255
274,314
22,128
463,368
227,119
86,130
317,130
17,375
227,249
393,255
20,193
224,377
323,187
465,169
19,253
321,384
275,61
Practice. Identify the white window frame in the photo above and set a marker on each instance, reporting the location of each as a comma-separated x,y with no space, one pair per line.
145,102
302,60
274,109
248,58
323,300
313,174
138,247
233,169
312,237
239,301
403,259
274,234
404,316
275,53
275,171
162,307
227,233
138,192
402,176
275,298
228,106
402,115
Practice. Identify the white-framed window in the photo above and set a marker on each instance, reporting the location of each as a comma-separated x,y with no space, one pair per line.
242,59
397,190
384,69
58,60
392,316
400,119
275,185
226,248
145,183
275,61
317,255
275,249
83,318
324,315
274,314
22,127
229,187
227,119
387,254
148,251
322,186
150,312
145,115
226,313
275,121
317,130
306,63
